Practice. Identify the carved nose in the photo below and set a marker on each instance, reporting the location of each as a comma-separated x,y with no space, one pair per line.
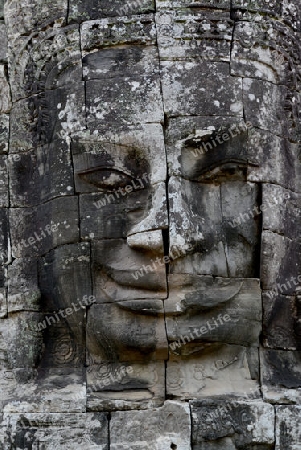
147,241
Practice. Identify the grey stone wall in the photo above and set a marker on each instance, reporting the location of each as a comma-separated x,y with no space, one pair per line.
150,225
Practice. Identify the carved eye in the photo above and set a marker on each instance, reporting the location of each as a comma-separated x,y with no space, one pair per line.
234,170
106,178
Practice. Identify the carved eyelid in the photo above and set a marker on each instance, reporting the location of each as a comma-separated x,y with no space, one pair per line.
105,183
121,172
218,167
93,177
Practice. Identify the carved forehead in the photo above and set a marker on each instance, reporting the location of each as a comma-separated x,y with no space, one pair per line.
134,64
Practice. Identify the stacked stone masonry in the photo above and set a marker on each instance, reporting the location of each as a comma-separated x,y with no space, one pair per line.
150,204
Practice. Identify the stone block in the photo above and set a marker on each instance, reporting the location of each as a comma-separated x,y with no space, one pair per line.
3,182
288,427
219,231
23,290
121,386
22,131
281,327
23,341
132,275
52,390
168,4
141,99
40,175
281,210
258,5
37,230
4,133
51,431
3,242
280,116
166,427
115,331
204,369
107,215
91,9
229,424
3,40
65,278
195,99
194,33
48,118
279,275
5,100
280,376
34,16
292,14
269,155
65,285
206,309
195,142
51,61
138,154
3,302
250,41
121,30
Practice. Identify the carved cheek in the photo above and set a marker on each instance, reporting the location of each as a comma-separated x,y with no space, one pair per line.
220,222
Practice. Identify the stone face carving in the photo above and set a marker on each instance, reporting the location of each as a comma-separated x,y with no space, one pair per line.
150,217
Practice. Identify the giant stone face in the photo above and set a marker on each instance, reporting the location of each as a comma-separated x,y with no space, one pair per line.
154,210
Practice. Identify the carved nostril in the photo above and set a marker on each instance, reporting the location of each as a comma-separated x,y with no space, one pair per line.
148,240
173,446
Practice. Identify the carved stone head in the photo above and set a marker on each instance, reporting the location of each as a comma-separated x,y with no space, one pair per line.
154,200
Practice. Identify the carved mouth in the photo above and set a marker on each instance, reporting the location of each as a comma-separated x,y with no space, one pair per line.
120,285
145,306
140,279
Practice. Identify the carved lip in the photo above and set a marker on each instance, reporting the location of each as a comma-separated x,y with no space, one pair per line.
147,281
146,306
117,291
